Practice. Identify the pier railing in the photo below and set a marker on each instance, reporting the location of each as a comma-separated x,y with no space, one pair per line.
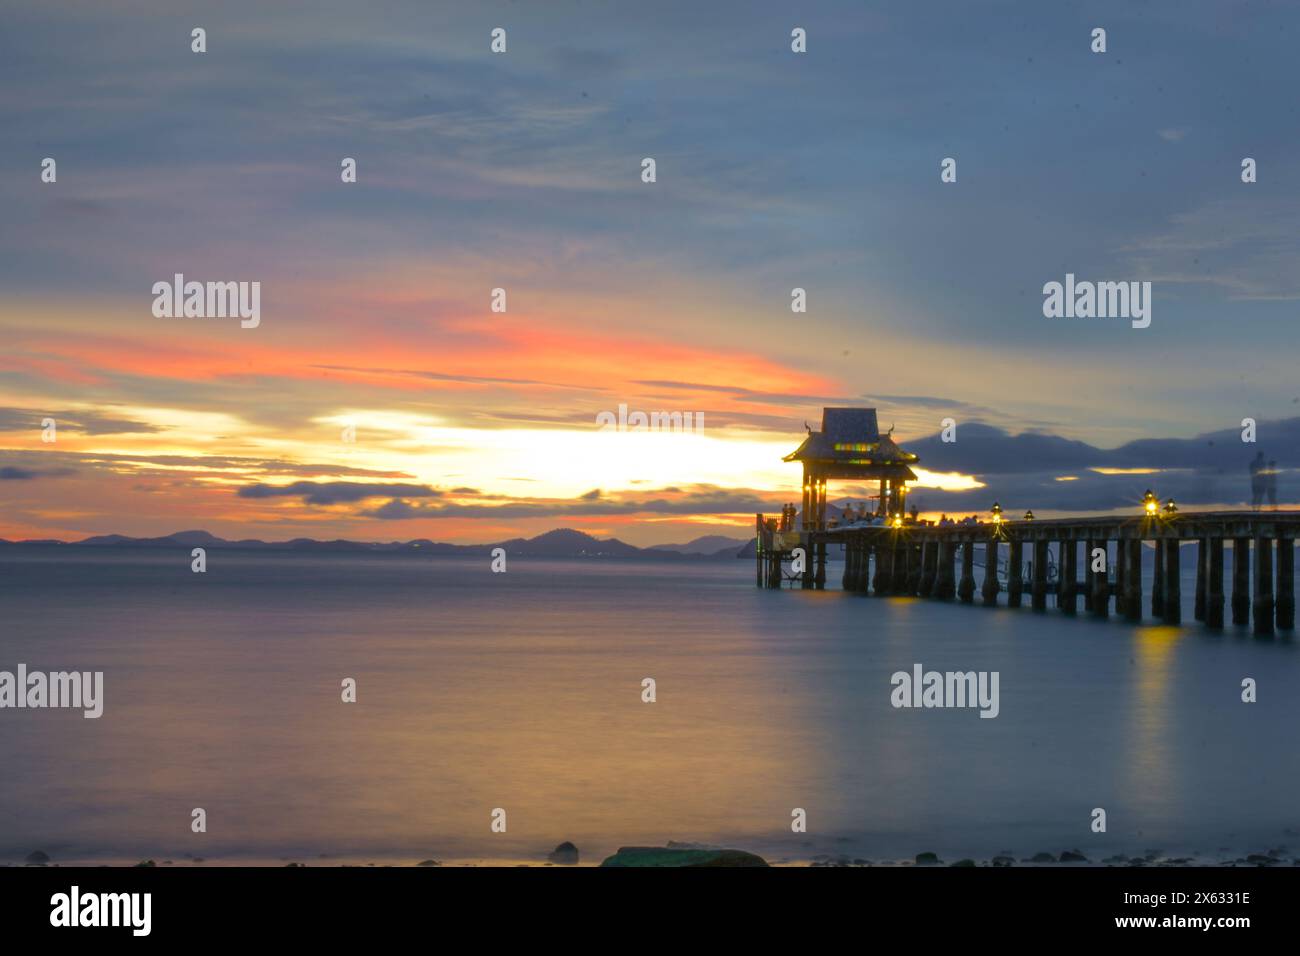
920,560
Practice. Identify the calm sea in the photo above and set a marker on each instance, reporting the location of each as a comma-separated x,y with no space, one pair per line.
522,691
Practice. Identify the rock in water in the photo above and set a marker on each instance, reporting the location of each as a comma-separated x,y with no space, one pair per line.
566,854
670,856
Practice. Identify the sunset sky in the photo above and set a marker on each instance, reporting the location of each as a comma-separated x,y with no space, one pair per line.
522,171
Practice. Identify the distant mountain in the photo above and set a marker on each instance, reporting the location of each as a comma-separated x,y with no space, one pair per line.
709,544
560,543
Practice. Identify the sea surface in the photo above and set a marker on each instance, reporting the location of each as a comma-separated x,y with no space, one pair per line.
523,691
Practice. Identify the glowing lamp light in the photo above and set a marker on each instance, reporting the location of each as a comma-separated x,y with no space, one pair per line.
1029,516
1170,507
898,521
997,512
1150,503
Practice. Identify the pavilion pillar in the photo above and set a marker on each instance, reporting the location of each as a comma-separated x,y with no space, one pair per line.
805,509
1202,561
1214,587
1067,577
914,567
1263,587
966,587
1015,574
1133,582
990,588
1285,583
1038,586
945,586
1173,583
1100,580
1240,580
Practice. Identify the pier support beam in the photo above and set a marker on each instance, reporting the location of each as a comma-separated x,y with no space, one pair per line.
849,581
902,551
1214,587
929,568
1015,572
945,586
1158,581
1263,587
1088,575
1285,583
1133,581
1038,587
884,564
1067,578
1173,584
1202,560
989,590
1240,580
966,587
1100,580
1121,577
914,556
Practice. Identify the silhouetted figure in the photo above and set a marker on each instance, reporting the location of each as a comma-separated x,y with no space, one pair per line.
1257,481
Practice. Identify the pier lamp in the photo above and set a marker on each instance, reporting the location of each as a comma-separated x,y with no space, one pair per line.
1150,503
1171,509
898,521
997,513
1029,516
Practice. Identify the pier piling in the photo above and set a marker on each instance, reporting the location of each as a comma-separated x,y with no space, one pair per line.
966,587
1100,581
1015,572
991,587
1202,559
1263,587
1133,583
1285,582
1240,580
1214,590
945,588
1173,587
1038,586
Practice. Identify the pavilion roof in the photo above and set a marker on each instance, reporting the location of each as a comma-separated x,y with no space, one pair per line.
850,445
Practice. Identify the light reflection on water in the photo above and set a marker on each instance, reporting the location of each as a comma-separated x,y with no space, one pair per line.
522,691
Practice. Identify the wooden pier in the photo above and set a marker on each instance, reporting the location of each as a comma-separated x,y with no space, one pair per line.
920,560
888,552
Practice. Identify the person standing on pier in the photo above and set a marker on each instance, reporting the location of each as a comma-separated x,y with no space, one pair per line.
1257,479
